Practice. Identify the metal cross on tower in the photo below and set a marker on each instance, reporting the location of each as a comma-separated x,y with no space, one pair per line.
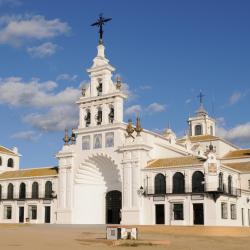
200,96
100,22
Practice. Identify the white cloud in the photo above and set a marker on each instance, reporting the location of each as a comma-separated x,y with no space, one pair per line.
16,29
58,118
155,107
56,108
133,110
239,134
67,77
43,50
10,2
235,97
16,92
27,135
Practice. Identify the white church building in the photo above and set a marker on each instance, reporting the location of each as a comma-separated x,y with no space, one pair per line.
112,172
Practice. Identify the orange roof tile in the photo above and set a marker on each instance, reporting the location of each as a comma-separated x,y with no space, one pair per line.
175,162
24,173
241,153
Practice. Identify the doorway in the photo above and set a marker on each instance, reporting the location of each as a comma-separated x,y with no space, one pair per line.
113,207
47,214
198,213
159,214
21,214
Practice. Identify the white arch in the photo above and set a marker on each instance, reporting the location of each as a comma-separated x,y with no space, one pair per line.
95,176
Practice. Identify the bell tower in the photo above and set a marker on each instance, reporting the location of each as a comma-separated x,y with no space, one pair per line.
201,123
102,100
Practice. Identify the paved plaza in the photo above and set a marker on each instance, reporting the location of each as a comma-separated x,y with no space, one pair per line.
76,237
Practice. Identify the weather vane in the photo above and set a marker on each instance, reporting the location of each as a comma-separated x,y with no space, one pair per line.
200,96
100,22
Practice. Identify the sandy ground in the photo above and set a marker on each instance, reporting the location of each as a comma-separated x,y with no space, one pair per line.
67,237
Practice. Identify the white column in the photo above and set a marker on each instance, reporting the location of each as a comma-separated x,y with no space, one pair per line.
105,113
93,111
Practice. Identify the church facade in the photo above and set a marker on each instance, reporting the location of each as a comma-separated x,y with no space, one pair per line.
112,172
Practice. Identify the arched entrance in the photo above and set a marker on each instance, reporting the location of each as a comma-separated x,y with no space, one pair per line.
113,207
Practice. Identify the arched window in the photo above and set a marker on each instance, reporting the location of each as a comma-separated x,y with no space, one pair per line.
87,118
230,184
160,184
99,116
99,87
10,192
111,114
0,192
35,190
48,189
22,191
10,163
198,130
198,182
1,161
178,183
221,188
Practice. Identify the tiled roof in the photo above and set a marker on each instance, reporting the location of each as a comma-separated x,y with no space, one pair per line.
240,166
24,173
241,153
175,162
6,151
203,138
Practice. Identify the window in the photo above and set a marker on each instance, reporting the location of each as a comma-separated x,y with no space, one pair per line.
224,210
178,211
198,130
178,183
99,87
230,184
10,191
198,182
160,184
48,189
111,114
86,142
33,212
98,141
109,141
233,212
221,188
35,190
1,161
22,191
99,116
7,212
87,118
10,163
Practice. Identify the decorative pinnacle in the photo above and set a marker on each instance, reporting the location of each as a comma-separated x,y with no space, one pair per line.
138,128
130,130
66,138
100,23
118,82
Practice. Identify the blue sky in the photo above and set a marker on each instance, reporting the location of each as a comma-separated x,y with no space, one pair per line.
166,51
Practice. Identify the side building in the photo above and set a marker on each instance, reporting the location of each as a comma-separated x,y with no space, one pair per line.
26,195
